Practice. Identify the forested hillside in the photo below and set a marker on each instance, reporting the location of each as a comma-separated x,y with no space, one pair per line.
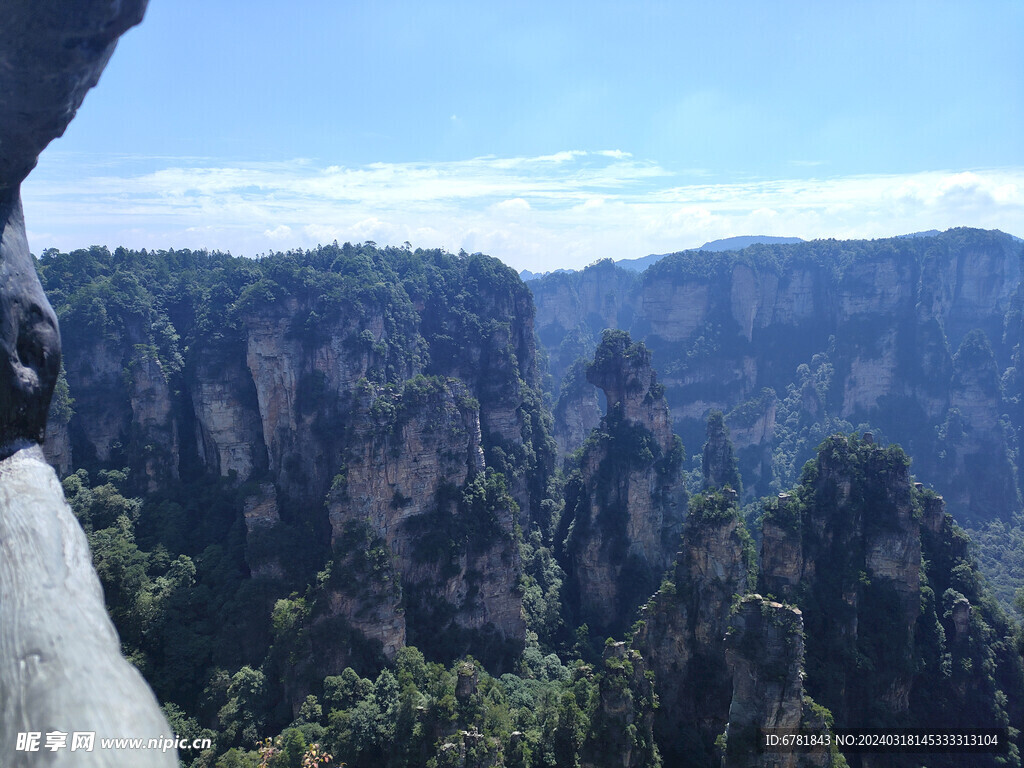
328,507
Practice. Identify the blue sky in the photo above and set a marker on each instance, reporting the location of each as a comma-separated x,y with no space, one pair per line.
545,134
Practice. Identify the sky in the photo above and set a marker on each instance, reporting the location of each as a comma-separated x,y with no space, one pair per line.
545,134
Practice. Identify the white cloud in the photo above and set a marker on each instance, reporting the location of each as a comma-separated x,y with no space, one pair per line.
514,206
558,210
280,232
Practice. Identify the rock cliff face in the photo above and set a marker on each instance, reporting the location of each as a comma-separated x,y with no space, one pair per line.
852,539
622,726
229,431
764,652
718,461
62,658
401,388
578,410
624,507
884,315
683,626
883,625
871,560
123,378
414,476
598,298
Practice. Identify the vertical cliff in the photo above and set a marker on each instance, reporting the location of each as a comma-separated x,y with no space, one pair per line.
885,315
765,653
893,607
123,364
624,504
621,729
577,411
414,477
848,544
682,628
400,388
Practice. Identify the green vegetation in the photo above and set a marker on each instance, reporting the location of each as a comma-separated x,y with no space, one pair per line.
855,502
234,628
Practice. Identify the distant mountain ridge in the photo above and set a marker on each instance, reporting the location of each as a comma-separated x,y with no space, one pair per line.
737,243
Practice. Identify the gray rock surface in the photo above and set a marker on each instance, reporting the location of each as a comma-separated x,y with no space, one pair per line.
51,54
61,669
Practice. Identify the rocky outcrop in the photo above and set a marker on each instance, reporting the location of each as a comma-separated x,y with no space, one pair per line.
577,411
51,60
889,597
622,727
849,542
981,477
885,315
229,431
61,656
414,476
406,382
302,382
57,446
155,429
765,654
262,515
61,659
578,306
718,461
625,505
124,403
751,427
682,627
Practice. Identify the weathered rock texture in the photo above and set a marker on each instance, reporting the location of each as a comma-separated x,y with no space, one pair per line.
890,598
718,461
852,539
625,505
765,652
397,387
412,476
885,318
683,626
61,667
578,410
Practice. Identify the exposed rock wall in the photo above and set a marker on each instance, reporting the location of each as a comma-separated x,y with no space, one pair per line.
622,727
625,506
683,626
765,653
578,410
887,316
405,471
851,540
401,387
124,403
61,660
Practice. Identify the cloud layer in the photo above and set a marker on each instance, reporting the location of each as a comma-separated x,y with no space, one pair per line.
561,210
